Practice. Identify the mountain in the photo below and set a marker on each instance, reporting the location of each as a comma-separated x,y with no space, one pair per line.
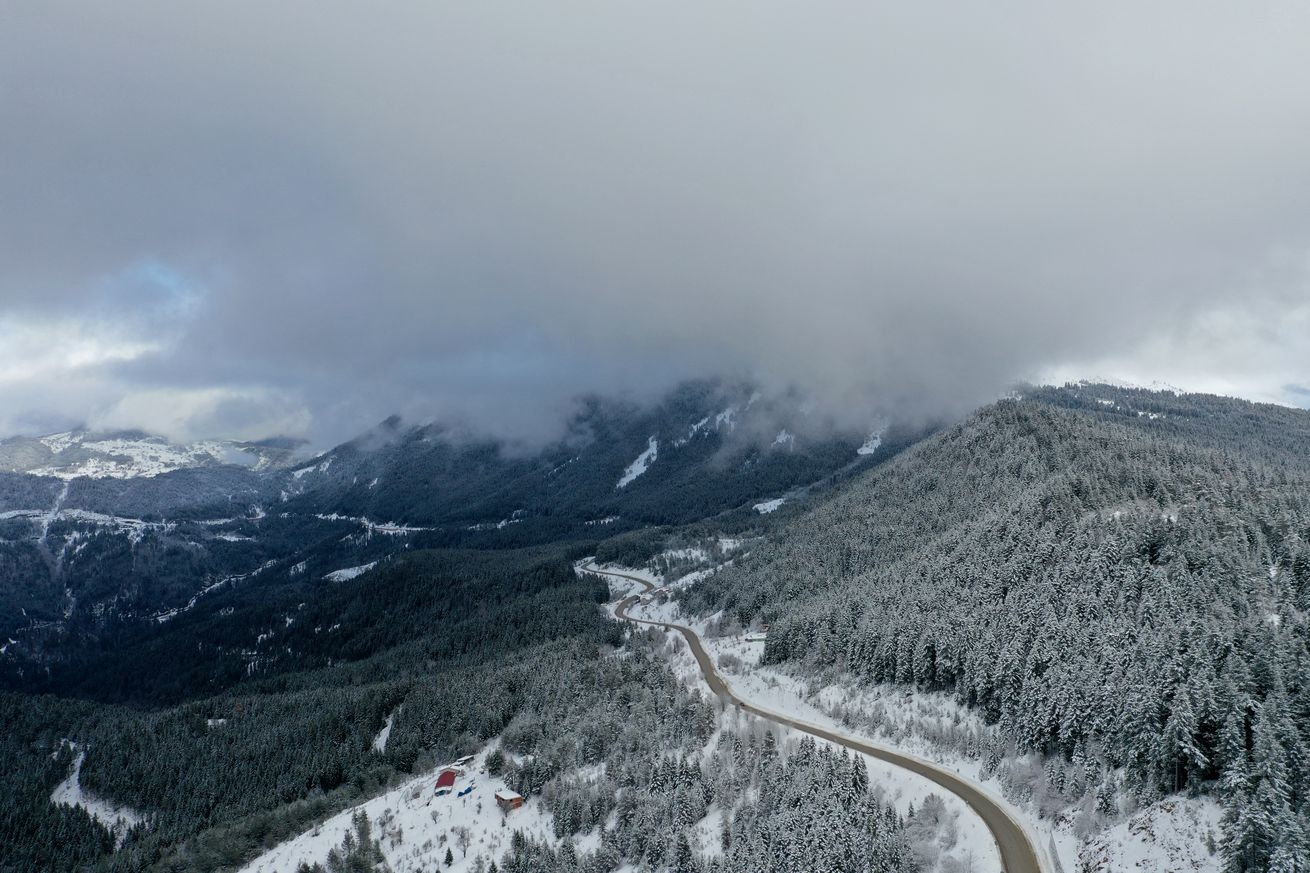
706,448
1118,579
100,562
1095,596
130,454
282,642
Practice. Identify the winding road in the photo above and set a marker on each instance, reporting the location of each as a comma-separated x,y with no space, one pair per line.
1019,853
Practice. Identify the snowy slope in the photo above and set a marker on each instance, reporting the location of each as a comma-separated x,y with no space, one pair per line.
415,827
77,453
349,573
873,443
641,464
1176,835
118,820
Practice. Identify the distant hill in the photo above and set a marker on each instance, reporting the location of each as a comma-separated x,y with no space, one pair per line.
131,454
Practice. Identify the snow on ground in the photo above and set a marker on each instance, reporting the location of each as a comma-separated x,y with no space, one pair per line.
124,457
769,505
118,820
973,847
697,428
135,528
415,827
787,695
382,527
689,579
321,467
1168,837
1175,835
641,464
515,518
169,614
707,834
348,573
693,553
57,442
620,586
683,567
380,741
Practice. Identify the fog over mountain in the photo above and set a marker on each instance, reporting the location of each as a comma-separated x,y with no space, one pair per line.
232,220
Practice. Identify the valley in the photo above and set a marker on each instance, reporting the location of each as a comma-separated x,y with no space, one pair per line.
254,677
663,438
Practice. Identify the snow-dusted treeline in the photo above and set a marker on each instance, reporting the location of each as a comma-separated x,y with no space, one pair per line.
749,805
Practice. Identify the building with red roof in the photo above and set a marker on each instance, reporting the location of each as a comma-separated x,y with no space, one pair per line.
446,781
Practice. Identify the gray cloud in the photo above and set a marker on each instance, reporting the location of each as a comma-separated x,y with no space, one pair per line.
330,213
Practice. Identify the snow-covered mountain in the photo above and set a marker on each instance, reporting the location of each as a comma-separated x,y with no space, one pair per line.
130,454
705,448
101,531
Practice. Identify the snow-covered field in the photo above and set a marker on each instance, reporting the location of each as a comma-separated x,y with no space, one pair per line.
118,820
380,740
81,454
348,573
415,828
640,465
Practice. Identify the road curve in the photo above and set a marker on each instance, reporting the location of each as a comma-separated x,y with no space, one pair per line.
1018,852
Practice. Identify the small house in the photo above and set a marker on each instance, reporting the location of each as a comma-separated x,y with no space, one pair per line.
508,800
445,781
756,636
464,761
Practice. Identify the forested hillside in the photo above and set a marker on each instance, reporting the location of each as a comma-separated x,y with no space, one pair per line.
1112,575
450,652
1119,578
455,650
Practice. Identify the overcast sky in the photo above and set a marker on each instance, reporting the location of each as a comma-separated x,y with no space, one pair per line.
244,218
